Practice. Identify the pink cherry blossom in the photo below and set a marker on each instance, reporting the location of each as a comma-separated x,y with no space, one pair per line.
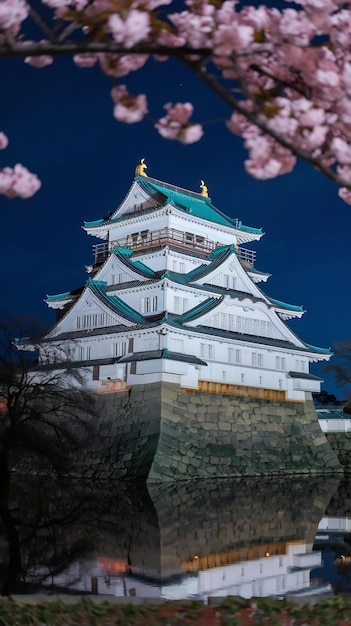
3,141
296,27
229,37
175,125
118,65
39,61
12,14
128,108
131,30
18,182
341,149
85,60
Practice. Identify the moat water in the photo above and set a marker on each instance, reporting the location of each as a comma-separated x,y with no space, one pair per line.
247,537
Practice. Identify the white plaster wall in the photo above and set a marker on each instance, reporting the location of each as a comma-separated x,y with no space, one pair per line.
335,425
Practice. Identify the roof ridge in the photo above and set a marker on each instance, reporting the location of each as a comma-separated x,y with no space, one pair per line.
116,304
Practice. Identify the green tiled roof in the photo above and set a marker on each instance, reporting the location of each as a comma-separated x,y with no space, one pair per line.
223,253
199,310
176,322
318,350
327,414
305,376
161,354
98,287
60,296
95,223
284,305
221,249
184,200
195,204
136,266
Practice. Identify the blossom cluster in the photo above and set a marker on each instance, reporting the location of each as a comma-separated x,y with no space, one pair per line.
17,181
285,73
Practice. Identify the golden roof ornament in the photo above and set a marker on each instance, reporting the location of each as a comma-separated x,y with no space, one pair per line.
204,189
140,169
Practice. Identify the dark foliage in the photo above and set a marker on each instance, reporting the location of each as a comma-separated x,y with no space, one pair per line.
340,366
45,416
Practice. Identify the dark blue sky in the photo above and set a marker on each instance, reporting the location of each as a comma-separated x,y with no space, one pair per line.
60,125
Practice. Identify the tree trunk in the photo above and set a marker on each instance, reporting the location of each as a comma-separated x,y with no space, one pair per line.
11,583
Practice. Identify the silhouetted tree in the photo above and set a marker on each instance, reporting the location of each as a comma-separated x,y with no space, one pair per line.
340,366
45,417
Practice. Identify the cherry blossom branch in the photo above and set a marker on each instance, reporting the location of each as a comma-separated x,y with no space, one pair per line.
284,73
254,118
38,20
68,48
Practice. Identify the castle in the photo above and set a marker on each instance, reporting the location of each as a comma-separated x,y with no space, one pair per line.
173,315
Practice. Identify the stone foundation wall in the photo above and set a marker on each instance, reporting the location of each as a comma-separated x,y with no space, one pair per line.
126,438
341,444
161,433
215,435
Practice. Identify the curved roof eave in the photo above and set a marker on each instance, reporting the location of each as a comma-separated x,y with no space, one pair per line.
114,303
187,201
199,310
284,305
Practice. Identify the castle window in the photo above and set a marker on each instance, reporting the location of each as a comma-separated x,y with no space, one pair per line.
300,365
206,350
280,363
229,282
216,321
149,304
119,348
231,322
91,320
234,355
257,359
180,304
84,353
176,344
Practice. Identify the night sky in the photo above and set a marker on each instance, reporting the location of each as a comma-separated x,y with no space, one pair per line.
60,125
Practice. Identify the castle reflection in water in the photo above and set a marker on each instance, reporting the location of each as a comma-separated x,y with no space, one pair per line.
251,537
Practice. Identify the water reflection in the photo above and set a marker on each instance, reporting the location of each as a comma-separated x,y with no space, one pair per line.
195,539
334,540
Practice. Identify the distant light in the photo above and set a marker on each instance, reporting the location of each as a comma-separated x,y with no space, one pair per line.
267,554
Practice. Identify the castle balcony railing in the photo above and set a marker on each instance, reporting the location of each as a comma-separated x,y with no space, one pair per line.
146,241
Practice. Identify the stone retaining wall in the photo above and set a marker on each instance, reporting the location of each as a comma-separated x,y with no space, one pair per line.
164,433
127,433
160,432
341,444
212,435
